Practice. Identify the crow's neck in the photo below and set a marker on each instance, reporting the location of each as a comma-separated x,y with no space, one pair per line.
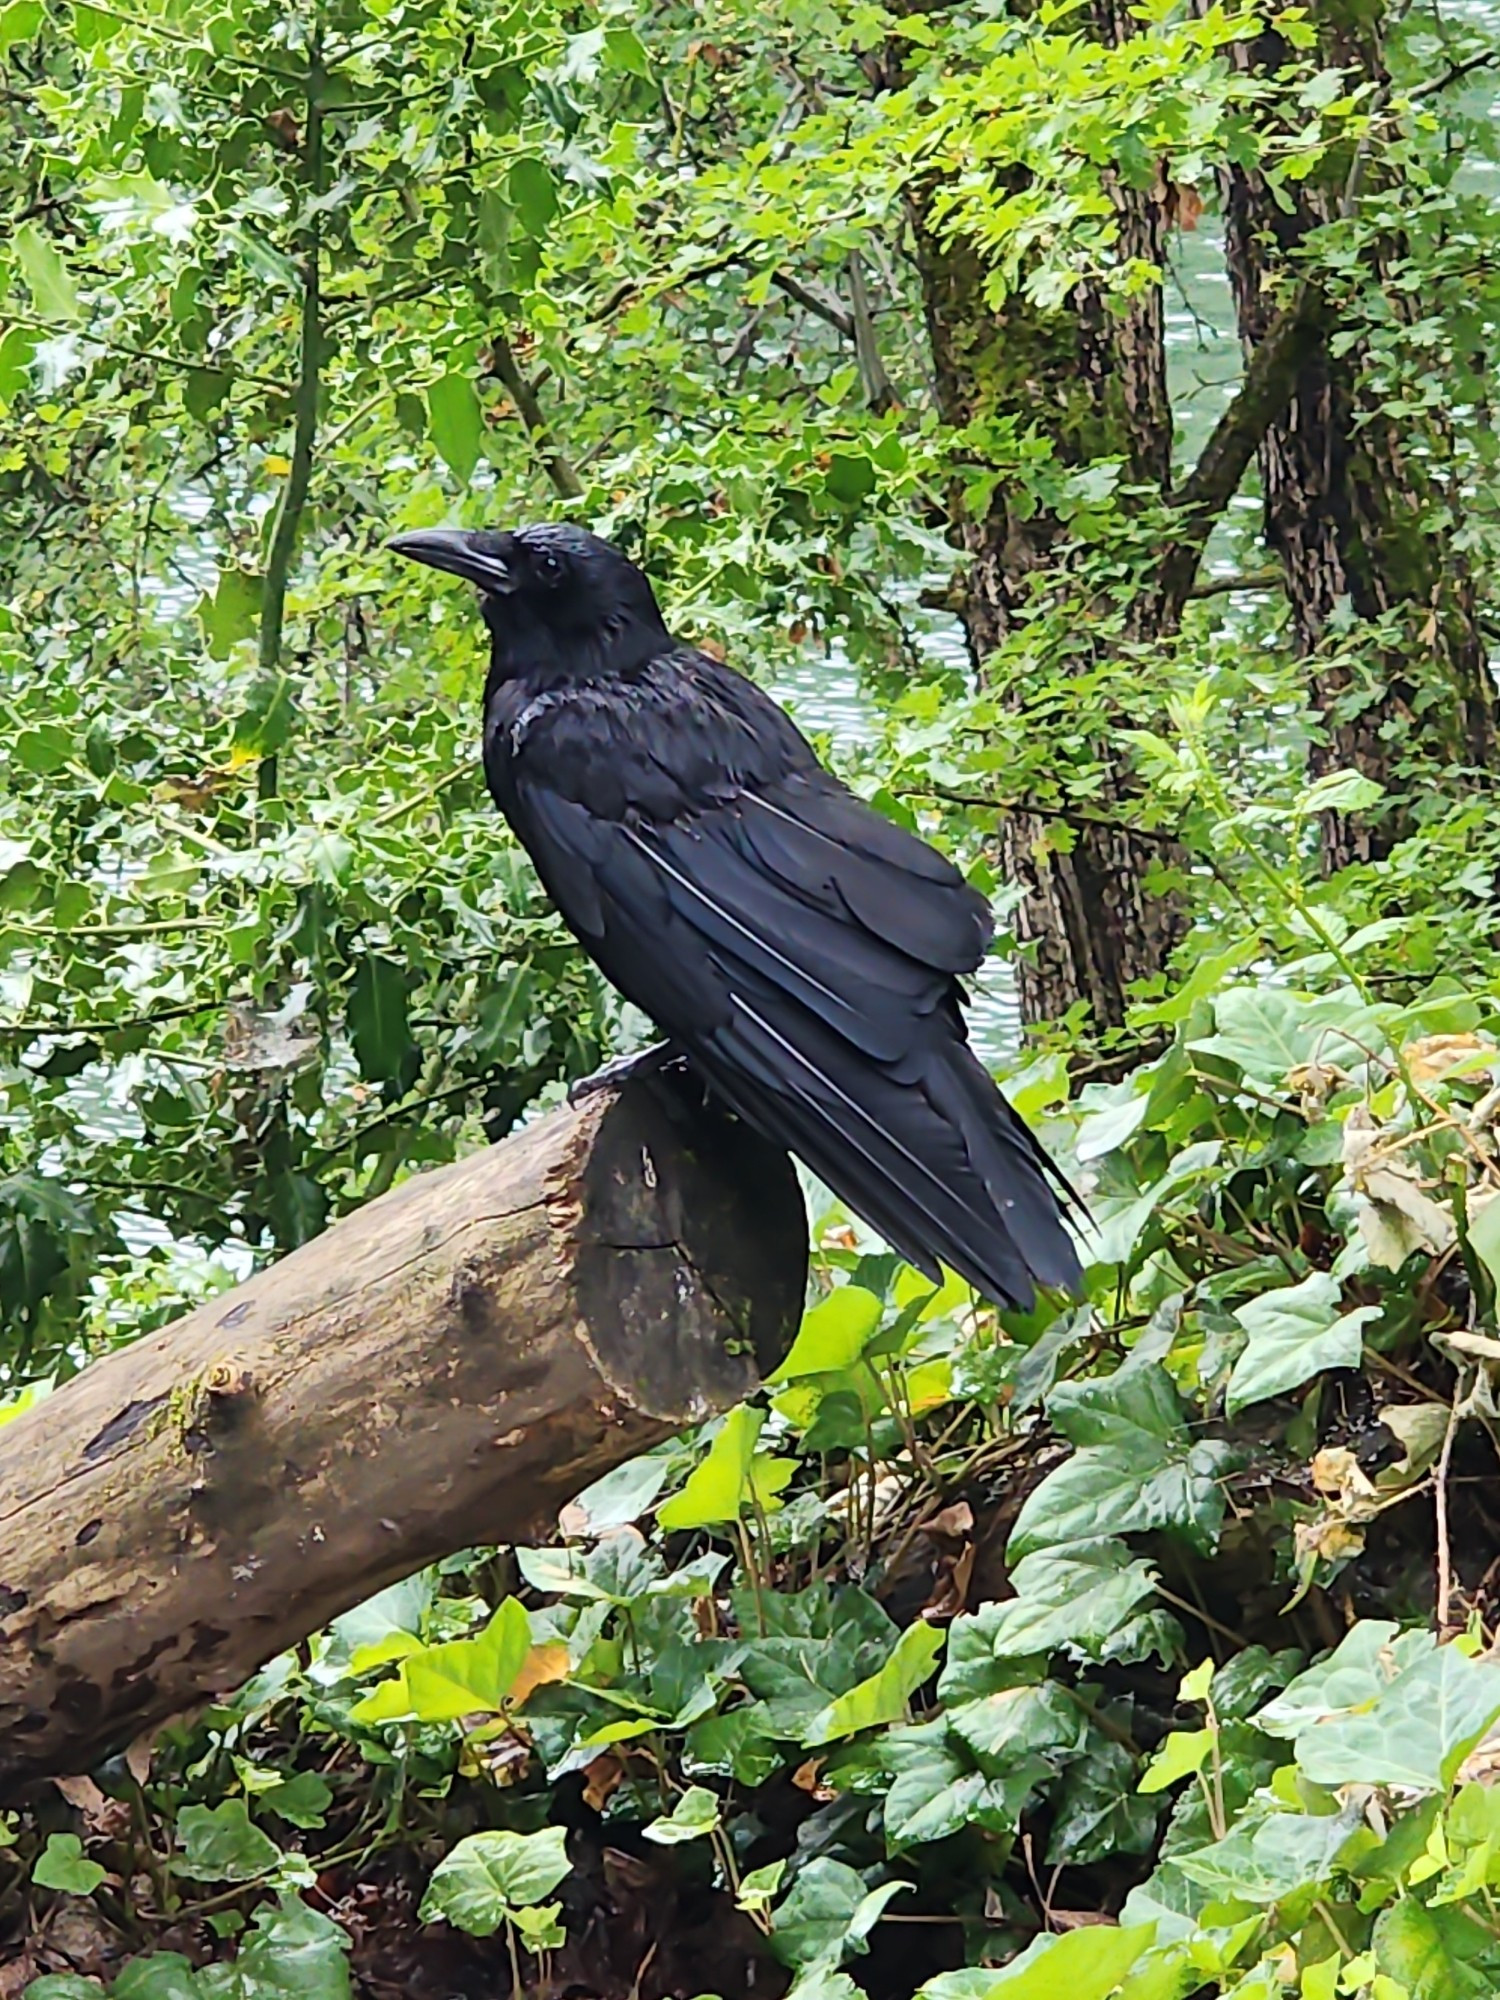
544,658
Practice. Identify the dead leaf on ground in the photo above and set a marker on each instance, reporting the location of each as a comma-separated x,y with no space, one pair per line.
955,1520
807,1779
602,1779
950,1591
84,1796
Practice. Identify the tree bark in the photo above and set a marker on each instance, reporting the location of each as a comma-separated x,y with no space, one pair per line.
444,1368
1349,503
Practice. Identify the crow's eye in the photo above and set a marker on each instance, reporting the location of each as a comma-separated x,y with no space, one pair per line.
548,566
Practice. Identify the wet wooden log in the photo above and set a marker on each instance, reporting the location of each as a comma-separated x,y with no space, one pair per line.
442,1369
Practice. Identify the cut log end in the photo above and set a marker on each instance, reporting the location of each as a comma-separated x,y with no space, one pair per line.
444,1368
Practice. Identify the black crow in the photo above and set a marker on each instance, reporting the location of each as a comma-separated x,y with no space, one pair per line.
801,951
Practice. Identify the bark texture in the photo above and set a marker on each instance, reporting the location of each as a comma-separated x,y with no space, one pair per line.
1349,504
444,1368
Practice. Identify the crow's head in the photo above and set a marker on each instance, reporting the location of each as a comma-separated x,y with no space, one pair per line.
554,597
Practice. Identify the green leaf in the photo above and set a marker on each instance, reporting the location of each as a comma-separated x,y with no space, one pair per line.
293,1953
539,1926
833,1335
936,1791
17,345
693,1816
231,613
302,1800
883,1697
21,21
850,477
63,1986
1340,791
164,1975
1139,1469
828,1914
621,1496
1404,1721
1266,1031
456,424
62,1865
1097,1813
379,1026
220,1844
264,724
1028,1720
1435,1954
1262,1861
1076,1596
53,293
758,1888
533,196
487,1876
717,1489
1184,1753
457,1677
1086,1964
1295,1332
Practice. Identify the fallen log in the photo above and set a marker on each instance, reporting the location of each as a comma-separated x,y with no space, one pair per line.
444,1368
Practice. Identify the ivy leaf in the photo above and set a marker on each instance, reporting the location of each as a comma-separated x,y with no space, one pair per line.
1139,1468
1405,1721
456,424
694,1815
62,1865
833,1335
488,1876
53,293
1263,1860
717,1489
1086,1964
163,1975
379,1026
1096,1812
828,1914
293,1953
936,1791
301,1801
883,1696
221,1844
457,1677
1434,1954
1077,1596
1295,1332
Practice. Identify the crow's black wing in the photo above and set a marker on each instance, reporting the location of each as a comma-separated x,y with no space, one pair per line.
801,949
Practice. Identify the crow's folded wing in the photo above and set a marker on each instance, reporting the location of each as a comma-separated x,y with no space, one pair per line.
804,952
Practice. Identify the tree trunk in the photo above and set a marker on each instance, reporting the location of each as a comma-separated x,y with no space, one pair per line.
1095,915
1348,505
444,1368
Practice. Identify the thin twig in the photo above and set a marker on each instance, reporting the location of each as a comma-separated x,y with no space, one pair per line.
1440,1496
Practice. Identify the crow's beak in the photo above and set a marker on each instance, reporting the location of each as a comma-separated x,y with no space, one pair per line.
460,552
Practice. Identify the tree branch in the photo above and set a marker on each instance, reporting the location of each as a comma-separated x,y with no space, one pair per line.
1270,377
554,461
293,500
